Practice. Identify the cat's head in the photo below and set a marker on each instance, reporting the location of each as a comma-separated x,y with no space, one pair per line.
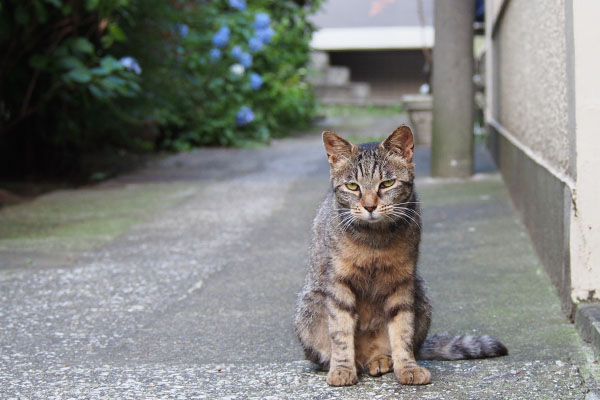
372,182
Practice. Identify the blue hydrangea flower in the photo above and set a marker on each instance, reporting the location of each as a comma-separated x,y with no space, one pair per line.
255,44
131,64
237,4
215,54
221,38
244,116
261,20
237,52
182,29
256,81
265,35
245,59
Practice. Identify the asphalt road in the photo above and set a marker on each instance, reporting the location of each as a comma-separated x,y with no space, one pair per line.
180,281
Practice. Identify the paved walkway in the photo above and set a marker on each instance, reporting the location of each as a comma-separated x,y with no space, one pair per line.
180,281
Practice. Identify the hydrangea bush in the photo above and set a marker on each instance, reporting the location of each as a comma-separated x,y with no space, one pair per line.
244,64
80,76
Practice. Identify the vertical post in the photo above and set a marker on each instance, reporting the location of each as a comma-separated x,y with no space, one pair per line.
453,113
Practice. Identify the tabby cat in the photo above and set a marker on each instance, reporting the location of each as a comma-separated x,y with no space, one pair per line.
363,306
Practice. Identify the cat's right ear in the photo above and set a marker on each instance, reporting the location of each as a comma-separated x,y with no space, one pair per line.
337,148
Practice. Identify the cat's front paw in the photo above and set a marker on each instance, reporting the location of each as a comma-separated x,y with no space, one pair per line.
412,374
342,376
379,366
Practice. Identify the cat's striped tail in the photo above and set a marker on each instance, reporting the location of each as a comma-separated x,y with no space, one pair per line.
443,346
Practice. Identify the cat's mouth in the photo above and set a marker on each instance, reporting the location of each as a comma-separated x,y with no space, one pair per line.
371,218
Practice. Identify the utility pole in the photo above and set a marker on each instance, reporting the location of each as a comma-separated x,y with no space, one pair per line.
453,108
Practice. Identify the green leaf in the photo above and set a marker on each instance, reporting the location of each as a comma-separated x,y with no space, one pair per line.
96,92
100,71
112,83
70,62
135,86
115,32
91,5
79,75
106,41
82,45
110,64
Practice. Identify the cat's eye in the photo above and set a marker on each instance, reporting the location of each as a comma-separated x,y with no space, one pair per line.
352,186
387,184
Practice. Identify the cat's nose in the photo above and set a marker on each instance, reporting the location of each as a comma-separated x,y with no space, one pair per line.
370,208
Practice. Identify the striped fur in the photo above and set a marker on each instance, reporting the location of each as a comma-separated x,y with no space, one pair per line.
443,346
363,305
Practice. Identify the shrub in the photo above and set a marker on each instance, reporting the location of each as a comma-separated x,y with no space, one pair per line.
235,73
81,76
60,81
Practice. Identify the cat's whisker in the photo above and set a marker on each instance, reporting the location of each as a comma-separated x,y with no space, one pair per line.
388,217
343,220
401,214
346,219
407,209
405,204
409,213
348,223
412,213
342,211
353,219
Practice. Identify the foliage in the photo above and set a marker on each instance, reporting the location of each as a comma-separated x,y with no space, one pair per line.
59,78
79,76
235,73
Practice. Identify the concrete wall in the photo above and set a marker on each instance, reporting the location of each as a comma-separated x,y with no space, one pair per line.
543,111
544,203
531,63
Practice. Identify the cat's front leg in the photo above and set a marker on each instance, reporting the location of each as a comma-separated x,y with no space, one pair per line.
341,306
399,308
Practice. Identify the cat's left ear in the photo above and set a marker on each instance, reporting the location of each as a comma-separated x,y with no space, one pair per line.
400,142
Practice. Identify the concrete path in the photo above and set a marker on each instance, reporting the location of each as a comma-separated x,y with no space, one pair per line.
180,281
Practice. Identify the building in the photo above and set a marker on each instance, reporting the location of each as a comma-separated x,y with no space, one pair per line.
383,43
543,111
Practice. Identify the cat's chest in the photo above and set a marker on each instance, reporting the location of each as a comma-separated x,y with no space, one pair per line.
373,274
366,262
372,290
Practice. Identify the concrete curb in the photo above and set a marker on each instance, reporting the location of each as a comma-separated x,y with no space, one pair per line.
587,321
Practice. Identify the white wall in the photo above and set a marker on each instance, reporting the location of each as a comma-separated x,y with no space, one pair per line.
585,212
